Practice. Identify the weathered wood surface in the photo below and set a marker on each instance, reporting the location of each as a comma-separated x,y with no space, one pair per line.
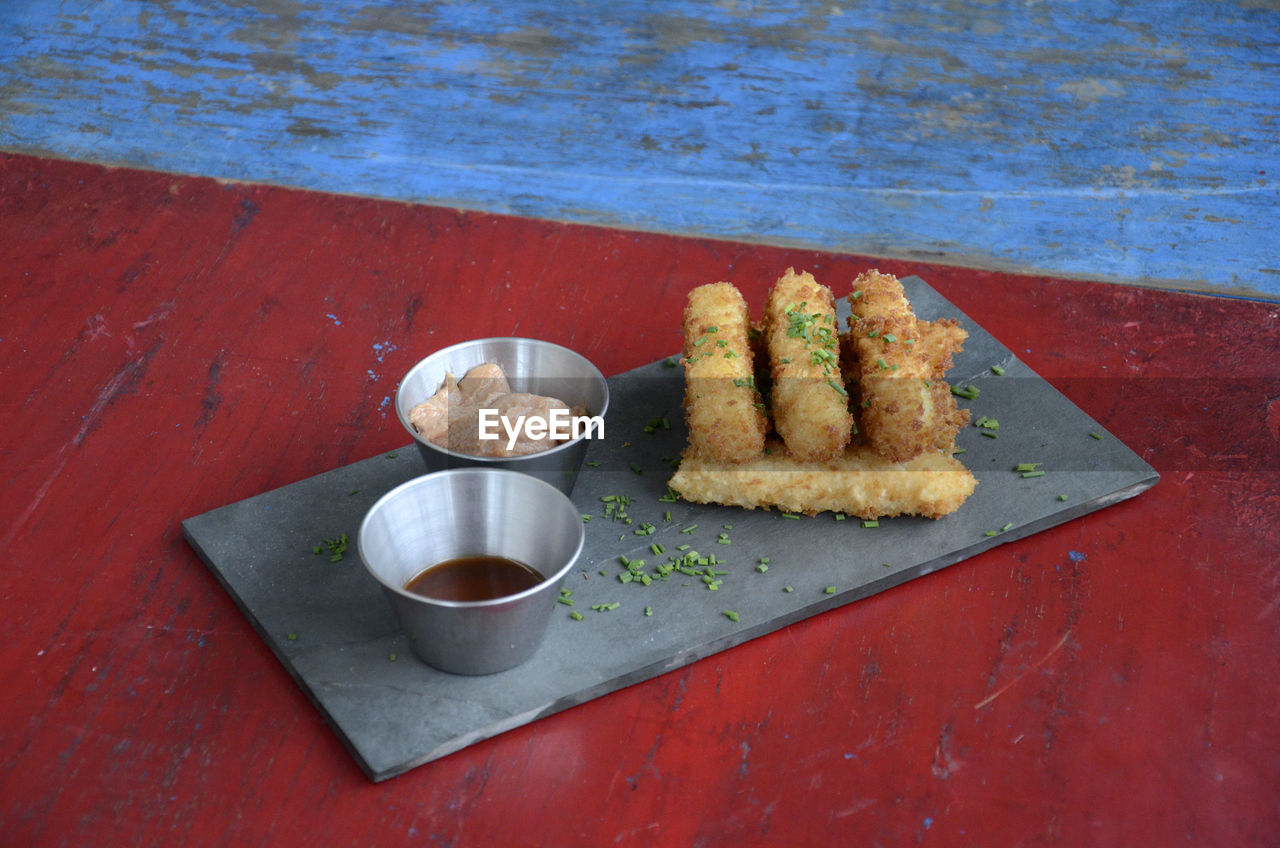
170,345
1097,140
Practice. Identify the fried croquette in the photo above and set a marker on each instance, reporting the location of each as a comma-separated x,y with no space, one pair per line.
808,398
858,482
723,408
905,409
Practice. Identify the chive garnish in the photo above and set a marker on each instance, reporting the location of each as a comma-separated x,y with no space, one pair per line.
731,615
830,590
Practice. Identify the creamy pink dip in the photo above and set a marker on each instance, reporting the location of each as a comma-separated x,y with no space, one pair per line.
451,417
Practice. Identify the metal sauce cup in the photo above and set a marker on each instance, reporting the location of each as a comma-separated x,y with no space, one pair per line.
532,366
471,512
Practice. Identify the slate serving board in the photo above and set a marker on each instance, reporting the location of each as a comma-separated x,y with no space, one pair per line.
330,626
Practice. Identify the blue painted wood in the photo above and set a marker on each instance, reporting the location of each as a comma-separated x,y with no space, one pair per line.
1135,143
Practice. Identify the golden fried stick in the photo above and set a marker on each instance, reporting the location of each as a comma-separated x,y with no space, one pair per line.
906,408
940,340
723,409
809,401
858,481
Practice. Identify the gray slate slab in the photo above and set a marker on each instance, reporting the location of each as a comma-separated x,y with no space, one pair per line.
330,626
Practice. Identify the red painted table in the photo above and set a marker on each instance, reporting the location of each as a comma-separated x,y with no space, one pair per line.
170,345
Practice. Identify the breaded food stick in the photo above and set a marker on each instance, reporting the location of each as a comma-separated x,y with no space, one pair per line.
723,409
939,341
906,407
809,401
858,481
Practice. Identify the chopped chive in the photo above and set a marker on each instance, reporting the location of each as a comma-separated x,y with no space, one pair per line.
871,523
788,589
990,533
1026,466
762,568
731,615
575,615
830,590
636,468
563,599
884,366
764,560
1007,527
889,337
990,435
840,516
690,528
997,370
648,610
1062,497
791,515
1097,436
1033,474
585,518
968,393
594,463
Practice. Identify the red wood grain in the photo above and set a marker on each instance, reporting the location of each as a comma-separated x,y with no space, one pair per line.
170,345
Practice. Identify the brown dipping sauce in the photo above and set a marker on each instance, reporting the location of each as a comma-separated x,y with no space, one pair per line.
474,578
